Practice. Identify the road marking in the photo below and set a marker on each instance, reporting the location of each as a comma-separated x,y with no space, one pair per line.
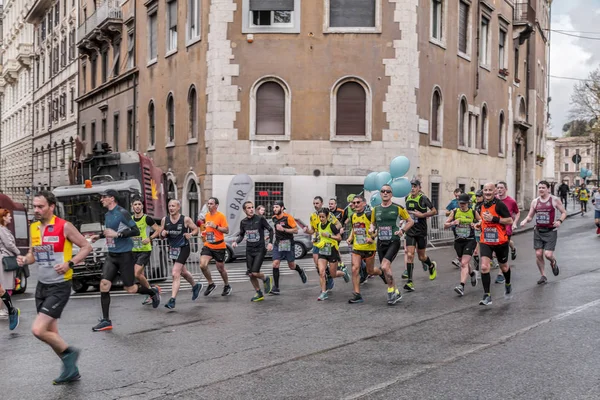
503,339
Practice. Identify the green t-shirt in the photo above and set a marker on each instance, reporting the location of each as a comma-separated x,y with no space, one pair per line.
387,221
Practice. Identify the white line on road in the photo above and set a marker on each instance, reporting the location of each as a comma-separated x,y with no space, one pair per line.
419,371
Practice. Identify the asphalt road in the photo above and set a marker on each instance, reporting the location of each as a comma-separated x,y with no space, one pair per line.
539,344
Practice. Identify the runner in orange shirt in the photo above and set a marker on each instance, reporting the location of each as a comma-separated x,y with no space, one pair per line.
214,246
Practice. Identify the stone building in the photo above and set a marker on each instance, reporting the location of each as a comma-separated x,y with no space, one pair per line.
565,149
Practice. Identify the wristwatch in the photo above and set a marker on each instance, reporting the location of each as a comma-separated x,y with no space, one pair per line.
71,264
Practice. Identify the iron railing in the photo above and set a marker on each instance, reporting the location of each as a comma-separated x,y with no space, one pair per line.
109,10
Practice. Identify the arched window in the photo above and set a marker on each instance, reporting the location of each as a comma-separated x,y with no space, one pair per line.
170,119
501,133
151,123
351,110
484,128
193,113
171,188
192,197
270,109
522,110
436,116
462,122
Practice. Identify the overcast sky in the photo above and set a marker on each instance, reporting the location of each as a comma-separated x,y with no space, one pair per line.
570,56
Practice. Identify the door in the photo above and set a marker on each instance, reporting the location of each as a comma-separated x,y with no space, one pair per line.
342,192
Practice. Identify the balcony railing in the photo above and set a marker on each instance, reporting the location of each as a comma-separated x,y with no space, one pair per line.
522,11
108,11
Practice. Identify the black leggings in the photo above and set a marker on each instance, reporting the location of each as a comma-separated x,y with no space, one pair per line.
254,261
584,205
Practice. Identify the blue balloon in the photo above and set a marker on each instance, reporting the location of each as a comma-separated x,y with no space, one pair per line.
399,166
583,172
370,182
589,173
382,178
375,199
401,187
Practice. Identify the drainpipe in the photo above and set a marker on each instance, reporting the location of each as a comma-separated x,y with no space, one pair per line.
135,77
477,52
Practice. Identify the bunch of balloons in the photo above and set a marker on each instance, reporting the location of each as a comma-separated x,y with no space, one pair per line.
585,173
395,178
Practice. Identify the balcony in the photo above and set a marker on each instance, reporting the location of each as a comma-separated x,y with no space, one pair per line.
24,54
102,24
523,12
10,71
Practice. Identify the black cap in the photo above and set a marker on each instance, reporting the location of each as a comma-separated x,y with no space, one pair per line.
479,193
111,193
279,203
415,182
464,198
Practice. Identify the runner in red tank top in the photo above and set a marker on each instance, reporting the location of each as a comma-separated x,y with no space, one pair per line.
515,213
545,235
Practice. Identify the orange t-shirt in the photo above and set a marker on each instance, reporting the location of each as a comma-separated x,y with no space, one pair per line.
213,239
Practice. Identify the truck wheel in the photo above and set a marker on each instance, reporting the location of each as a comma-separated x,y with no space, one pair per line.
80,287
21,275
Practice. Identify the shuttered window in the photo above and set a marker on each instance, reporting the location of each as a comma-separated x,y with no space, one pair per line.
171,119
351,110
463,26
172,25
462,123
270,109
501,134
271,5
352,13
152,27
435,116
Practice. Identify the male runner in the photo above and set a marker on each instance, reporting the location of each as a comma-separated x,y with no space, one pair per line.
494,239
545,235
418,205
142,245
596,203
252,228
477,208
52,240
214,246
563,192
453,205
178,230
584,195
362,239
472,194
119,229
335,210
385,222
515,213
283,249
462,220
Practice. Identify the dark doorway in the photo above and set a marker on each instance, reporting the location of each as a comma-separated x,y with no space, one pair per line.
342,192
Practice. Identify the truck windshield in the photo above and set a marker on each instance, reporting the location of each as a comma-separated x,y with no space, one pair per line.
86,210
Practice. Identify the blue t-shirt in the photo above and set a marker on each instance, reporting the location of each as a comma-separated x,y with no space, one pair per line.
452,205
118,219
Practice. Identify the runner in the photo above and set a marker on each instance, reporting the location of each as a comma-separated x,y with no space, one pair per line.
252,228
563,192
453,205
417,205
363,245
463,220
142,245
385,223
119,229
477,208
173,228
545,235
596,203
283,249
584,195
52,240
336,211
214,246
494,219
515,213
347,224
328,246
472,194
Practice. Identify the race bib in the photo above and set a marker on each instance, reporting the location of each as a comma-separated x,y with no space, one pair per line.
463,231
137,242
385,233
325,250
252,236
284,245
360,235
44,255
543,218
477,233
210,237
414,218
490,235
110,243
174,253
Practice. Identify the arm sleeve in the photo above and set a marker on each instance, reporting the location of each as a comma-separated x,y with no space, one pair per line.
502,210
150,221
427,203
334,229
132,228
241,233
265,225
291,222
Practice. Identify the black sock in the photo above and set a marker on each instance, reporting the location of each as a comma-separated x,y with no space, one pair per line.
67,351
298,270
105,301
507,276
276,276
471,273
427,262
409,268
7,302
462,284
145,290
485,279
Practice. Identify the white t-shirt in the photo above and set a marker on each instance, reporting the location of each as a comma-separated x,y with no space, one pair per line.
597,200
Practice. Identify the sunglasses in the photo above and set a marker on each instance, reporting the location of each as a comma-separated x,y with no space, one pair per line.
385,191
356,202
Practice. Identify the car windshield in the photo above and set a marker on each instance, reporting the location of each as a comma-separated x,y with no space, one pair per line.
86,210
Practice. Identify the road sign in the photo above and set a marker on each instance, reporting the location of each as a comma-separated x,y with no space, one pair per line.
576,158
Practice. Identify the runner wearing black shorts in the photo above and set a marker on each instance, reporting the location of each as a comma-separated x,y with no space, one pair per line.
252,228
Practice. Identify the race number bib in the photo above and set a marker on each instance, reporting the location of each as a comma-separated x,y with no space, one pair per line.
110,243
284,245
543,218
463,231
385,233
137,242
360,235
210,237
413,216
44,255
490,235
325,250
174,253
252,236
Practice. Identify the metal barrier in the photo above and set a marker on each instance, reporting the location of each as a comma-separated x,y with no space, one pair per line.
436,232
160,265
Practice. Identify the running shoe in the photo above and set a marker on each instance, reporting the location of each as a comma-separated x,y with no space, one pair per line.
226,290
513,254
460,290
257,297
409,287
196,289
507,289
554,266
346,274
210,289
473,278
13,319
432,271
456,262
147,301
171,304
495,264
156,298
303,276
275,291
499,279
103,325
268,283
330,284
397,297
323,296
486,301
70,371
356,298
405,274
3,314
363,279
543,280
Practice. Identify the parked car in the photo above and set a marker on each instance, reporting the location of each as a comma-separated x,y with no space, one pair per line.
302,244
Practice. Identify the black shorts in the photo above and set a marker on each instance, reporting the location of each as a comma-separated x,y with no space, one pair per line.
51,299
364,254
501,250
216,254
119,263
182,256
388,249
465,247
141,257
254,260
333,257
420,242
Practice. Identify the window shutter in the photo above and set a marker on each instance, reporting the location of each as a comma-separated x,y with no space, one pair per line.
463,21
271,5
352,13
270,109
173,14
351,110
435,109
